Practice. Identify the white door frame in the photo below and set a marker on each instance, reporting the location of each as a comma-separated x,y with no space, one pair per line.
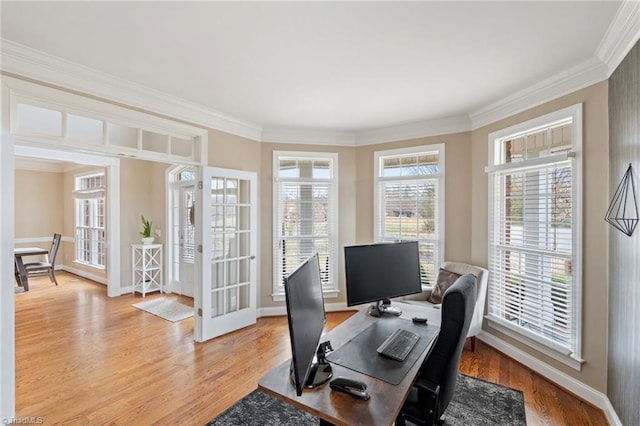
171,186
8,143
7,306
112,175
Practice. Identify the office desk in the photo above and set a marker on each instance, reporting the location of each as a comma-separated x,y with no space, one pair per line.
20,272
339,408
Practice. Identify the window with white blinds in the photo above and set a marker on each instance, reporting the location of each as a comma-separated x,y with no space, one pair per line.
409,202
89,195
305,200
535,230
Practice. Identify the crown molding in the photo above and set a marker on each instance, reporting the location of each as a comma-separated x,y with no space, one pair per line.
49,166
37,165
37,65
585,74
413,130
34,157
417,129
308,137
621,36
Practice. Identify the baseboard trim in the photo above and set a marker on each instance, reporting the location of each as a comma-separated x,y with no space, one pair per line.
83,274
587,393
611,414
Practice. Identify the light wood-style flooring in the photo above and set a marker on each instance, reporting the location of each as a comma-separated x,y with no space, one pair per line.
83,358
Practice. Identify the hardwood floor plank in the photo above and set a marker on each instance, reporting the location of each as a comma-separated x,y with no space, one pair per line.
83,358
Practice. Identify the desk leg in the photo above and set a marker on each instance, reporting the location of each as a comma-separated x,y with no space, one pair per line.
21,274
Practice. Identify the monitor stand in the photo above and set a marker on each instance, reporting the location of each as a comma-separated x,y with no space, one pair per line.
320,370
383,307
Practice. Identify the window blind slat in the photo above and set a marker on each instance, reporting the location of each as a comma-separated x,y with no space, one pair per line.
305,215
531,237
408,185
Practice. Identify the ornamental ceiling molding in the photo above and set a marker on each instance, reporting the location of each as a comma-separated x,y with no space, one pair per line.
622,34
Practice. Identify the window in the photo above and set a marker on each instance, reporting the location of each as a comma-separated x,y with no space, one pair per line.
534,233
55,121
409,202
89,219
305,204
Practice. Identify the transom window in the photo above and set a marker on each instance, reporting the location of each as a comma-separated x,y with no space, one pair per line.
89,198
61,119
409,202
305,215
535,232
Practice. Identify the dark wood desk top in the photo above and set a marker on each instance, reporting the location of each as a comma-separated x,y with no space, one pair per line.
336,407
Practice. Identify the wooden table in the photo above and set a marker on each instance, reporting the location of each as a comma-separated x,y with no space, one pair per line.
336,407
20,271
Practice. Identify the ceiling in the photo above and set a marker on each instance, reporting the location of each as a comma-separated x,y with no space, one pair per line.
320,67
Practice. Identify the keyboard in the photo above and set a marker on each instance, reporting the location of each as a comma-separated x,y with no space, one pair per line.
398,345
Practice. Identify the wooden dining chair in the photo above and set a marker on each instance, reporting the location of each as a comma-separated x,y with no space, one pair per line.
48,266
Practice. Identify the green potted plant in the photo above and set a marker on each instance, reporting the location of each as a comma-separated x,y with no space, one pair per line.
147,238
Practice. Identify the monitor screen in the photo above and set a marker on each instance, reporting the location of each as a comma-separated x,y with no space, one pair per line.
379,272
305,312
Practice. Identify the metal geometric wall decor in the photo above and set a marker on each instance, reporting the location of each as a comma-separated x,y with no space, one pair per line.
623,210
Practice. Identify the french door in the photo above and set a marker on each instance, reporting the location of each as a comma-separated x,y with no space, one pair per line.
227,245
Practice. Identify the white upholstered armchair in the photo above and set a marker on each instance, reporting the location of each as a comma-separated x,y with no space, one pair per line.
482,277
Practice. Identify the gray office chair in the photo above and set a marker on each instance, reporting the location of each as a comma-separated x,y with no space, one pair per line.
433,390
47,267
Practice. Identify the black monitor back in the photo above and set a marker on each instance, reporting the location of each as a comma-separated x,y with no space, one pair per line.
381,271
305,312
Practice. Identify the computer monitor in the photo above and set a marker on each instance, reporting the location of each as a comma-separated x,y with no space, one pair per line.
379,272
305,313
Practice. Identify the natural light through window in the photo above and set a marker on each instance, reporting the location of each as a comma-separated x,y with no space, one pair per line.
305,215
89,201
534,231
409,202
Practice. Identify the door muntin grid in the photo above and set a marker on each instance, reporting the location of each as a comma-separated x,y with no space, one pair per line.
230,249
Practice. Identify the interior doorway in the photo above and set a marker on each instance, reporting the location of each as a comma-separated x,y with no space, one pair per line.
181,244
110,276
35,116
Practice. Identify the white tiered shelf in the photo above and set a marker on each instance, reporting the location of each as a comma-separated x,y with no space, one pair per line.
146,271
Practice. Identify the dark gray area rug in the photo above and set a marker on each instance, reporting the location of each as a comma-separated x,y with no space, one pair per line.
475,402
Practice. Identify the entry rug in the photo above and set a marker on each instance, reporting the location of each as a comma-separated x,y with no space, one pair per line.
169,309
475,402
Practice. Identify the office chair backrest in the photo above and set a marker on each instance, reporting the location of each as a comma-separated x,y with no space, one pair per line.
55,245
441,367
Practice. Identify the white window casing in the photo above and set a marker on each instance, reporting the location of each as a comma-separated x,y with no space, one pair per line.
535,233
409,202
90,233
305,216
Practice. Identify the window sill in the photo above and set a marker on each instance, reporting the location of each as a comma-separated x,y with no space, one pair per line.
327,294
565,358
89,265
